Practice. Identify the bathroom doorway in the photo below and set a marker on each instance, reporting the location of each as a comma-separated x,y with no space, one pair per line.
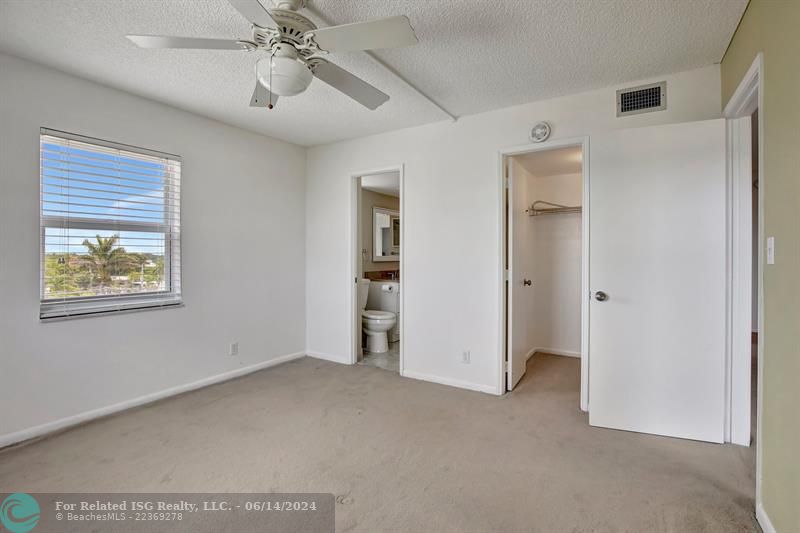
377,237
544,257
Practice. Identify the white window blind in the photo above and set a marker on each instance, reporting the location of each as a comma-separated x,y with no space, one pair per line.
110,226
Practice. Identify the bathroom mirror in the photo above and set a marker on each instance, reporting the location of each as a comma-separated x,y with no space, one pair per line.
385,234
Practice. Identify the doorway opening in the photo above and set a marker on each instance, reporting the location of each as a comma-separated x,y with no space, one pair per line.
378,239
749,251
544,259
754,304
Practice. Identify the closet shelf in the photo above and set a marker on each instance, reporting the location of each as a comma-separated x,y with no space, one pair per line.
540,207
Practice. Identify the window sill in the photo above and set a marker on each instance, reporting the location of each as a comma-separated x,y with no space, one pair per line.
54,312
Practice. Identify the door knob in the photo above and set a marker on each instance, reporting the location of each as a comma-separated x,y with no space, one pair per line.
527,282
600,296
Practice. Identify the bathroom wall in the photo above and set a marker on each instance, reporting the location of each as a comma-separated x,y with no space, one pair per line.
370,199
556,242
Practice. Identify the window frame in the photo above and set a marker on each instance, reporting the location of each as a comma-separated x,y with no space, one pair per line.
170,228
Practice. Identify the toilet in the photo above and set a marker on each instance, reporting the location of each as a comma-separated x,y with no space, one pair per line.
375,324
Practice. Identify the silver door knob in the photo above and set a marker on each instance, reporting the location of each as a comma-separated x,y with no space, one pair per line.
527,282
600,296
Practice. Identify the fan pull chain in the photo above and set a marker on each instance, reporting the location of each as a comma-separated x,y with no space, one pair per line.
269,104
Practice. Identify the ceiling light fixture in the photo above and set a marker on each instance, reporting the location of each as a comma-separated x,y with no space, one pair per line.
296,47
284,73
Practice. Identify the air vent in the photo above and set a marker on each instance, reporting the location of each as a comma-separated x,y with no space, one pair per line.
642,99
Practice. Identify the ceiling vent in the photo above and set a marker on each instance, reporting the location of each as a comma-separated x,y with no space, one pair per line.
642,99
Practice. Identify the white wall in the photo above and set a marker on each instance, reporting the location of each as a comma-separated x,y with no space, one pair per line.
243,255
452,217
555,243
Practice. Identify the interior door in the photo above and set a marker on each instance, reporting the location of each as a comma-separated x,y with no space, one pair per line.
519,278
657,276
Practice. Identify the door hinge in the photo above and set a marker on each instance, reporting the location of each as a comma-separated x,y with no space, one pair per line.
506,275
508,366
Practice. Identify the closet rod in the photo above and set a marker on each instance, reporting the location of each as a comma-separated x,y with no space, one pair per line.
553,209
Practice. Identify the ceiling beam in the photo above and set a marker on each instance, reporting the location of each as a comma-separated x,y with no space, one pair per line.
375,59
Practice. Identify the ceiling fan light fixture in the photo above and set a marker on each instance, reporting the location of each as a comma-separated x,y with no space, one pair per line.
291,39
283,75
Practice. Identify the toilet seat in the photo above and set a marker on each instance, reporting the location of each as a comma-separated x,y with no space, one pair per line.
377,315
376,326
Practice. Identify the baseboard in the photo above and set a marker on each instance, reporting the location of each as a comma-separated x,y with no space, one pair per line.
341,359
555,351
530,353
70,421
450,382
763,519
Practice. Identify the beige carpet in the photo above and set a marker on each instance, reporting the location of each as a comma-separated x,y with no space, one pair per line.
403,455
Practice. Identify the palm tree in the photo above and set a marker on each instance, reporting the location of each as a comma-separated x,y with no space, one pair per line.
103,257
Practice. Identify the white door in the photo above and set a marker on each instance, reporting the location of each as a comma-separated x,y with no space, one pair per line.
520,289
657,254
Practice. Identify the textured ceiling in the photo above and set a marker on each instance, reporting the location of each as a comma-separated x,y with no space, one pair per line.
552,162
473,55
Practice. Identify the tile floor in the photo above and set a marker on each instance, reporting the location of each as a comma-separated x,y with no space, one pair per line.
387,361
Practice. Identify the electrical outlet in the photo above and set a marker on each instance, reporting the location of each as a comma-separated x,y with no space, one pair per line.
465,355
234,348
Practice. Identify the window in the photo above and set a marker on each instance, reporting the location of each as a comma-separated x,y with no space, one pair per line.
110,226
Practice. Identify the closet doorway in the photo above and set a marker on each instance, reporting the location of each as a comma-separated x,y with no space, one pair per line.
545,256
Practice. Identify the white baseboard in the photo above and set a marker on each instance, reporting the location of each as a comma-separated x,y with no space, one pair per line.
450,382
63,423
555,351
763,519
341,359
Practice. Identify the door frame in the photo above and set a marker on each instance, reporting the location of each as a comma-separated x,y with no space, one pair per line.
502,156
355,259
749,96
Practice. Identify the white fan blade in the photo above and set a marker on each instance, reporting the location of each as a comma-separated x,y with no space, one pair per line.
255,12
354,87
390,32
161,41
261,97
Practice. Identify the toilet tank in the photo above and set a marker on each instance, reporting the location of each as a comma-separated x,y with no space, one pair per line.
384,296
363,293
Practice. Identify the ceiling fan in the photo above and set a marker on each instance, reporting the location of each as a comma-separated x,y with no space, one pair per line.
295,46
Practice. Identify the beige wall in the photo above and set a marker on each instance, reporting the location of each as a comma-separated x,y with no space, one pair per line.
773,28
369,200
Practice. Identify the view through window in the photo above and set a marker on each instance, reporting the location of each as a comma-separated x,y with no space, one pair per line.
110,226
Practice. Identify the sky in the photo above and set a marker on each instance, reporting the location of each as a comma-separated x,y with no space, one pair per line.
84,184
